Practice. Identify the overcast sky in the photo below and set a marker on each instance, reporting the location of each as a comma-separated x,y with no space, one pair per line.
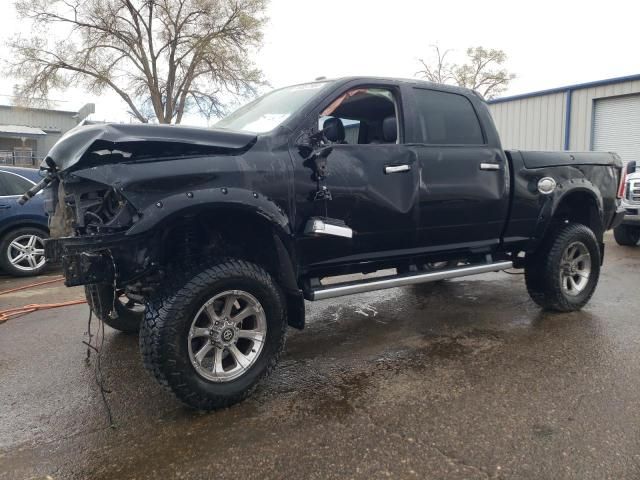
549,43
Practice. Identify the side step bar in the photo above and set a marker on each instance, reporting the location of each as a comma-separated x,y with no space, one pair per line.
350,288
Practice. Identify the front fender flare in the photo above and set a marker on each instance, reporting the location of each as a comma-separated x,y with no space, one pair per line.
162,212
179,204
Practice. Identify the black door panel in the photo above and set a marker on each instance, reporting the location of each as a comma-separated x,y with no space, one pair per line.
464,181
463,195
380,207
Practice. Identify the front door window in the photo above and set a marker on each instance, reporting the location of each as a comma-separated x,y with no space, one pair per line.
362,116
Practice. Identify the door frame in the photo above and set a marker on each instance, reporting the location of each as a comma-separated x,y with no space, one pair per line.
310,123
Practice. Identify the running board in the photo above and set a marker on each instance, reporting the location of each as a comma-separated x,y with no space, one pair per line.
350,288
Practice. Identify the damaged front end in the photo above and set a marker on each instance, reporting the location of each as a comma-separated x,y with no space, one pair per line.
88,224
101,181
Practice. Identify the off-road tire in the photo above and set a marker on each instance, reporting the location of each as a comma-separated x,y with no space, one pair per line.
100,300
5,264
543,269
627,235
164,333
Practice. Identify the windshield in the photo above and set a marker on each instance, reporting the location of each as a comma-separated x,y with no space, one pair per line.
270,110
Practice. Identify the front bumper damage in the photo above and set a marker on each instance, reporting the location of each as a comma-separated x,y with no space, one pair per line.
109,258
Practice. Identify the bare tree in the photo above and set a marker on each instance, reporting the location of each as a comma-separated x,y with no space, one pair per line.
438,71
162,57
482,71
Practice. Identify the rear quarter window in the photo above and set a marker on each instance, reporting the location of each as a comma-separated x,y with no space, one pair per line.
446,119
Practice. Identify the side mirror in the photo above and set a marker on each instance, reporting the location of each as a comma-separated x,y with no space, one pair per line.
317,161
308,142
631,167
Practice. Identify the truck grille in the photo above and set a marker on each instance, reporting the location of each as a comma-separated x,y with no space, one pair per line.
633,191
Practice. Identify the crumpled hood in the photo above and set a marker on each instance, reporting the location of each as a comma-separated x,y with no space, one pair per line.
73,146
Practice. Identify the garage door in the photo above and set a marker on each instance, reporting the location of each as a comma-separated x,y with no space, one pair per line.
616,126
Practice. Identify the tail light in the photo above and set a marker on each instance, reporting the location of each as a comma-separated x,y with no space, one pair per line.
623,182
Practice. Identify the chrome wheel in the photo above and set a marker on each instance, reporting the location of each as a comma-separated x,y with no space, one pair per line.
26,253
227,335
575,268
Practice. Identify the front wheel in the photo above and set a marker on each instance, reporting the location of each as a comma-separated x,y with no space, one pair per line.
563,273
626,235
213,337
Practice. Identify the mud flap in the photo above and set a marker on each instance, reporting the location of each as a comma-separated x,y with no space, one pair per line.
295,310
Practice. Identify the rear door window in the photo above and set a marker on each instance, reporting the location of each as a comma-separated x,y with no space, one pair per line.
446,119
11,184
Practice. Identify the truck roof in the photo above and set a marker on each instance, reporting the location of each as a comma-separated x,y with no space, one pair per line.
409,81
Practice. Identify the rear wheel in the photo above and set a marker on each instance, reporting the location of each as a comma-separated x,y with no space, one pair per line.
429,266
627,235
433,266
563,273
213,337
22,252
114,308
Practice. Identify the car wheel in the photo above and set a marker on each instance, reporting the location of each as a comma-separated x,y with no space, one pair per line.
563,273
211,339
434,266
627,235
22,252
114,308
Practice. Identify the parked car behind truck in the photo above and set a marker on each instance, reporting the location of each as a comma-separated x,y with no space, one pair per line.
23,228
210,240
628,232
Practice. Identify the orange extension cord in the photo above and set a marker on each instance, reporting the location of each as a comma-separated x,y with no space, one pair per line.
18,311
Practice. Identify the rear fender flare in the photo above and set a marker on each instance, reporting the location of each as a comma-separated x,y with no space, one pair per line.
563,192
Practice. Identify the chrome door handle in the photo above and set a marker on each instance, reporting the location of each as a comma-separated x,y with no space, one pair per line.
397,168
489,166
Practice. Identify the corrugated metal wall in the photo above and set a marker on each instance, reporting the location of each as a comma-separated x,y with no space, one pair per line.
534,123
538,122
54,123
582,110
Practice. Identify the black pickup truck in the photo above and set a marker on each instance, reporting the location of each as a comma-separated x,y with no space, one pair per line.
208,241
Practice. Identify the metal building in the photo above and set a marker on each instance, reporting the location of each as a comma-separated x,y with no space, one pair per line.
599,116
27,134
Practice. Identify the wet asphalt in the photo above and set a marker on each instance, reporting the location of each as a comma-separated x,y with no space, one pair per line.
461,379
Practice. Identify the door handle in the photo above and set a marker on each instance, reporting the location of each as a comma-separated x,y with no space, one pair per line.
489,166
396,168
4,206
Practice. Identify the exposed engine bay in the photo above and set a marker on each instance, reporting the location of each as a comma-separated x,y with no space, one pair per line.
88,208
